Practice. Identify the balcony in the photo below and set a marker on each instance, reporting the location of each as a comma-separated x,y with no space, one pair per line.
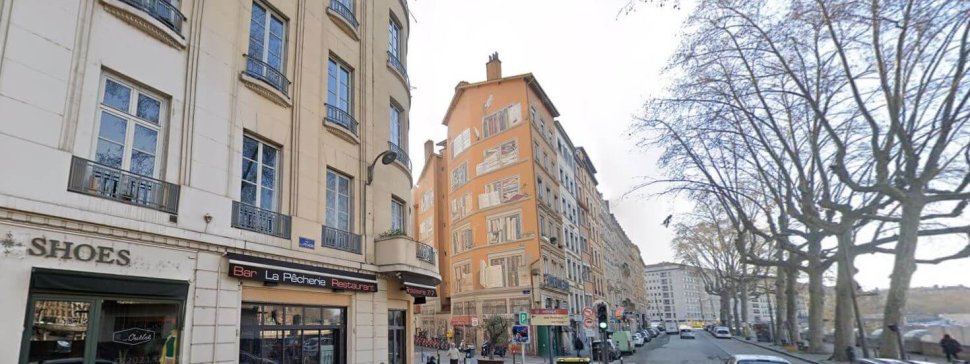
345,13
341,240
158,18
95,179
394,63
552,282
263,71
402,156
341,123
399,253
252,218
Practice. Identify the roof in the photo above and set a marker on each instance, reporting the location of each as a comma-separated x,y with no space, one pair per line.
529,79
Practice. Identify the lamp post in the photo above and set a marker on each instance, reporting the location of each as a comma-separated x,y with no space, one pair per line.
386,157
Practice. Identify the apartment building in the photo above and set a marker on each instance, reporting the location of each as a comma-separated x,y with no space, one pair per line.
569,214
590,200
206,182
624,272
676,293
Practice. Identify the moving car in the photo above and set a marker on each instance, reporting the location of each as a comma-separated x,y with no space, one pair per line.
722,332
757,359
611,351
687,334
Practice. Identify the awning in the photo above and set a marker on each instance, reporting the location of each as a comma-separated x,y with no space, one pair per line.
419,286
42,279
275,271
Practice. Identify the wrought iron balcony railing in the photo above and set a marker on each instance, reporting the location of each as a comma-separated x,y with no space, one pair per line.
342,118
95,179
402,156
252,218
425,253
257,68
162,10
341,240
345,12
551,281
396,63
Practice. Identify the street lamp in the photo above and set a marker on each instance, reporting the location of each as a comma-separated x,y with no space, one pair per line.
386,157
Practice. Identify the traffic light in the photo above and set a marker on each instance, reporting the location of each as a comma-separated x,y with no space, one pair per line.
602,314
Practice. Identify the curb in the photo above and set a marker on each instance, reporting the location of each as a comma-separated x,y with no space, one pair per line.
778,351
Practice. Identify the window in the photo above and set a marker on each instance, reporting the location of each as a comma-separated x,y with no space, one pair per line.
396,339
462,141
396,136
394,38
461,206
463,277
535,151
459,176
267,32
427,200
511,266
397,215
499,192
462,239
494,307
130,123
259,174
292,334
339,201
532,114
501,120
504,228
498,156
339,84
427,227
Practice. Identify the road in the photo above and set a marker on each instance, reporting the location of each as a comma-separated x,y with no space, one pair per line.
704,349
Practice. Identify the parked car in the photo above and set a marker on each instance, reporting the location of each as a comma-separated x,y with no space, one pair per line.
610,350
722,332
757,359
624,342
638,339
889,361
654,332
687,334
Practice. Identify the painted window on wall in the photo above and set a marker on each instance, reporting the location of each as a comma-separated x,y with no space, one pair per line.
459,176
427,200
502,191
462,239
498,156
462,141
502,120
426,229
504,228
461,207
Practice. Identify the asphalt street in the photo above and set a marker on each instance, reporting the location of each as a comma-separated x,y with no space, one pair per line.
704,349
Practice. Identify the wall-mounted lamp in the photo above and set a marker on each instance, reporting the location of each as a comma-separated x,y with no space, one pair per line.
386,157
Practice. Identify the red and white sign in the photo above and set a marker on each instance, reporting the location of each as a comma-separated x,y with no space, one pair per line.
588,322
619,312
461,320
588,312
549,311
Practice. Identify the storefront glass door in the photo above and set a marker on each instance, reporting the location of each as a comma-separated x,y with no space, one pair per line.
396,337
288,334
59,330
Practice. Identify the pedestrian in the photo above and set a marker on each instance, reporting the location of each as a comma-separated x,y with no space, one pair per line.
578,345
950,347
453,354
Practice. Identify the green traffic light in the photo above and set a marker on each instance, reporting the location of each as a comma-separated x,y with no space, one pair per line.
602,325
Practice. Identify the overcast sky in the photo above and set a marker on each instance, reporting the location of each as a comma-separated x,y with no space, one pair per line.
598,68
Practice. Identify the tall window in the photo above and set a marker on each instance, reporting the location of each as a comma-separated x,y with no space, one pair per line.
461,206
266,34
396,135
461,239
463,277
394,38
397,215
510,269
339,82
129,127
427,200
259,174
504,228
459,176
339,201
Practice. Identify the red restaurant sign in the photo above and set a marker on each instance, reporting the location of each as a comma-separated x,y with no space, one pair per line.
550,311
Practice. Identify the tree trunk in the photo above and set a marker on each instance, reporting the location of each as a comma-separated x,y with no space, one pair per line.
903,269
843,300
737,317
743,297
791,301
781,307
725,308
816,310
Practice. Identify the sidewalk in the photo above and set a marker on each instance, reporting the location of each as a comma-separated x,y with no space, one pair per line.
529,359
823,358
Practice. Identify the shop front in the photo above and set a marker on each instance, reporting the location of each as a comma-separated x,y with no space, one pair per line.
81,298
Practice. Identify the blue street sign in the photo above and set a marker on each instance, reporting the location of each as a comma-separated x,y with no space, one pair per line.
307,243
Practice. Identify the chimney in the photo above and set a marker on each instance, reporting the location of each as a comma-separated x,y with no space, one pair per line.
493,69
428,150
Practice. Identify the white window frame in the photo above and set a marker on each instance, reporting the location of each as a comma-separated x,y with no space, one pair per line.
350,205
499,240
260,164
270,15
399,222
132,121
397,125
334,79
456,245
394,38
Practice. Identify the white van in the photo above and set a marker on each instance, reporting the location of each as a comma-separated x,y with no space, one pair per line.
722,332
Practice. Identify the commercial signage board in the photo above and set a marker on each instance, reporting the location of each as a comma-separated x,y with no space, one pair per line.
619,312
550,317
549,311
267,270
520,334
461,320
523,318
420,291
